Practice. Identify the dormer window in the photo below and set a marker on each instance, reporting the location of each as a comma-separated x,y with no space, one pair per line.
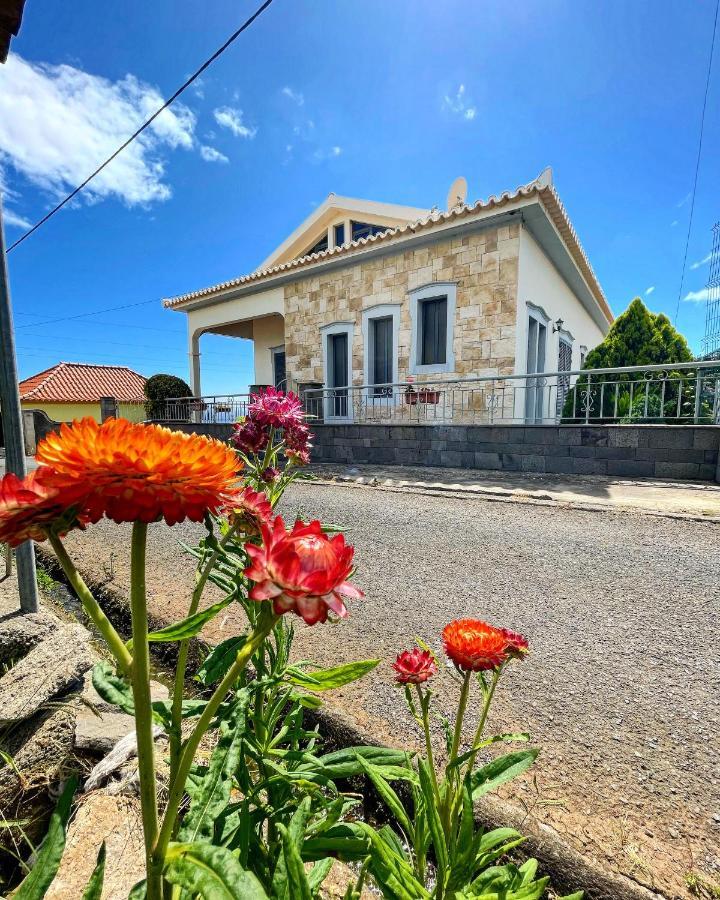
321,245
363,230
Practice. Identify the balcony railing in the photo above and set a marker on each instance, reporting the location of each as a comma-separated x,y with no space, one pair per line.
674,394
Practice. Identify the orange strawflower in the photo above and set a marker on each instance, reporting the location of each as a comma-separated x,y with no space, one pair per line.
142,473
475,646
33,507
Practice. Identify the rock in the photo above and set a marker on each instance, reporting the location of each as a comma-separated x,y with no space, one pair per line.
19,633
51,668
125,749
98,732
115,820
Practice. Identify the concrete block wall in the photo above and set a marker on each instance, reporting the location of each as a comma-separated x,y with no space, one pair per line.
633,451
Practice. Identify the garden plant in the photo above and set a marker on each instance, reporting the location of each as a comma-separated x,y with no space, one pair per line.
263,814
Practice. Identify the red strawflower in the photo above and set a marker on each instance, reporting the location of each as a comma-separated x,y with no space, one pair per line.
414,666
141,473
276,409
33,507
302,571
475,646
270,474
297,457
517,644
250,437
248,510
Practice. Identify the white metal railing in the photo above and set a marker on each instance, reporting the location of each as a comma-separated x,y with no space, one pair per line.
671,394
211,409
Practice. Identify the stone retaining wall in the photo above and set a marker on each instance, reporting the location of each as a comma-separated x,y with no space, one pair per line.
651,451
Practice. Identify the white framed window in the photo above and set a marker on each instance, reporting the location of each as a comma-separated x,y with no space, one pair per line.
337,340
432,324
535,388
381,327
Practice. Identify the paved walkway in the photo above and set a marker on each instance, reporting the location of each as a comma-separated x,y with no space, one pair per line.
692,498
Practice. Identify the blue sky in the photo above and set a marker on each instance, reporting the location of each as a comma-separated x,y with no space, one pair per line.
386,101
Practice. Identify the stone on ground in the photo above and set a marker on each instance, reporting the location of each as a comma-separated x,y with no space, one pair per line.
115,820
50,669
20,633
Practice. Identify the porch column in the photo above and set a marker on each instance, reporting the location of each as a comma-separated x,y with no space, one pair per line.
194,355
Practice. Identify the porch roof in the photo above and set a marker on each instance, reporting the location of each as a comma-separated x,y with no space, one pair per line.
540,190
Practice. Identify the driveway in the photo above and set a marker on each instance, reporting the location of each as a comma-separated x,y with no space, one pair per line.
620,691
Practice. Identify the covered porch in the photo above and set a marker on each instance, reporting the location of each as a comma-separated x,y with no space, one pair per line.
258,317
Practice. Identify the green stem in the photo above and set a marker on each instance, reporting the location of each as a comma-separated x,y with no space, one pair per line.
143,707
181,666
448,800
263,627
92,608
425,708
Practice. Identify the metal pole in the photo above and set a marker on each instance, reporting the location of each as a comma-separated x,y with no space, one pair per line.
12,426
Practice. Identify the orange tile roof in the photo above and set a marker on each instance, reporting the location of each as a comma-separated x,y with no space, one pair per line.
83,383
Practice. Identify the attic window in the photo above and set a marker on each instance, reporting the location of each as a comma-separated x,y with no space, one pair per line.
363,230
321,245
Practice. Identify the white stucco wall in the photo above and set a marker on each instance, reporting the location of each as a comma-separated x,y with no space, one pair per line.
267,333
540,284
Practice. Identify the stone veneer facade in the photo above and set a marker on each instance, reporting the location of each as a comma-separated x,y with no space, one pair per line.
484,265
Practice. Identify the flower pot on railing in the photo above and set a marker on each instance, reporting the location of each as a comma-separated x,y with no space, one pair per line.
197,406
413,397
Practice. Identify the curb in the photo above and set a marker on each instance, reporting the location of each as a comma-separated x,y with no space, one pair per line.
501,495
569,870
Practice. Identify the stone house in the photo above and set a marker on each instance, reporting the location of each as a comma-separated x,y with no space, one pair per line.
366,294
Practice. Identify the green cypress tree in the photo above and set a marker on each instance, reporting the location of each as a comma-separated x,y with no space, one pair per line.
638,337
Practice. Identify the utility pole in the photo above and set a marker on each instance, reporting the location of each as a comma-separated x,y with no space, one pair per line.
12,426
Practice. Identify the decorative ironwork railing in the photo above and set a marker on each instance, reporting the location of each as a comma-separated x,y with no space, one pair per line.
672,394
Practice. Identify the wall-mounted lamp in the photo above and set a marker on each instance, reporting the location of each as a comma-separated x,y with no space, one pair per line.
557,325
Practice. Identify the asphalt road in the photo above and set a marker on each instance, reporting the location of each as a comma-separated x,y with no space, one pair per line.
620,691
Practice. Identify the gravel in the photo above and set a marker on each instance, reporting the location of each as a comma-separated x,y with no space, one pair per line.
620,691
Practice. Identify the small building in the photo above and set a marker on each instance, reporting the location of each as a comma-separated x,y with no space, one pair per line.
70,391
364,294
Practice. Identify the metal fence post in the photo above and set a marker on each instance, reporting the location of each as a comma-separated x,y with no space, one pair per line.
698,396
12,427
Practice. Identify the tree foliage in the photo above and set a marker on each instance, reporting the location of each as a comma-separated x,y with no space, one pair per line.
159,388
639,337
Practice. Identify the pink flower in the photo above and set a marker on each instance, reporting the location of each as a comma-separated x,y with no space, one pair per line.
517,645
302,571
276,409
414,666
250,437
249,510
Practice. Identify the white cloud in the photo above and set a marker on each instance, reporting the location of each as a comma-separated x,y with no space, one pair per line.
685,199
701,262
12,218
650,290
232,118
58,123
331,153
698,296
293,95
459,104
673,223
210,154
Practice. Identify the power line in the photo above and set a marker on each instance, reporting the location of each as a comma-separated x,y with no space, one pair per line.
697,162
208,62
96,312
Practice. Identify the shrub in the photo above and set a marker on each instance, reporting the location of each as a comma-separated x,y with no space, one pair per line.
158,389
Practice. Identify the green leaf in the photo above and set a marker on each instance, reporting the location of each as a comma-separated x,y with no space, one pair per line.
433,817
519,736
500,770
318,874
138,891
578,895
214,792
187,628
344,763
189,709
387,795
296,833
49,854
113,688
348,841
212,873
93,891
328,679
392,871
298,887
219,659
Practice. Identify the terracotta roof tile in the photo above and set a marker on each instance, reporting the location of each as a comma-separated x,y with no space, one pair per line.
83,383
542,188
